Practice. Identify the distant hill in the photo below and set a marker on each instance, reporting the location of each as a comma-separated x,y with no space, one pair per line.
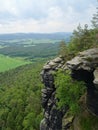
57,35
35,46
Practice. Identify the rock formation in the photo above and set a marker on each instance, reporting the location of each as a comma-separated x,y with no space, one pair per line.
84,67
52,116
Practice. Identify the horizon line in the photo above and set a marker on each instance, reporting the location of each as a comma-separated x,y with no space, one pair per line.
33,33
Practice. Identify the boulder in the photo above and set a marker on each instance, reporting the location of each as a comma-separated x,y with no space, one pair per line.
67,121
86,60
58,60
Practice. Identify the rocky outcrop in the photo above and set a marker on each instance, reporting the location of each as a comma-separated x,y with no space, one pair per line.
83,67
52,116
86,60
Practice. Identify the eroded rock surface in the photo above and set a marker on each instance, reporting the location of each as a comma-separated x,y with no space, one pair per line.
83,67
52,116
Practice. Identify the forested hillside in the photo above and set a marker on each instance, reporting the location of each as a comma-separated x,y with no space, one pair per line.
20,98
72,81
20,88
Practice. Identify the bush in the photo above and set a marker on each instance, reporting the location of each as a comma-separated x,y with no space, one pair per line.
68,91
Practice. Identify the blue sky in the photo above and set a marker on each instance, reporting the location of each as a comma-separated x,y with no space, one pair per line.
45,16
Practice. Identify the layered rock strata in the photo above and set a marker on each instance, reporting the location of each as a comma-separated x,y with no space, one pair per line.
83,67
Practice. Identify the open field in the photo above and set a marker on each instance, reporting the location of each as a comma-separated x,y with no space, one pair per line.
29,48
7,63
26,50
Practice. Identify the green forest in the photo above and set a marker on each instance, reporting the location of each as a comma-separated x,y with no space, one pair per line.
20,98
82,39
29,48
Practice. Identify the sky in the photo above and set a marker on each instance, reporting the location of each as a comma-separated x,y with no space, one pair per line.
45,16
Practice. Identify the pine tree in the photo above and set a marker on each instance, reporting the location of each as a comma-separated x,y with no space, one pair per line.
95,27
81,39
95,20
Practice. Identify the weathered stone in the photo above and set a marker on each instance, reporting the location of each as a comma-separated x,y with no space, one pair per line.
44,95
67,121
50,102
83,67
74,63
87,60
89,52
57,60
44,91
52,64
47,67
50,90
46,115
60,66
53,117
96,77
43,125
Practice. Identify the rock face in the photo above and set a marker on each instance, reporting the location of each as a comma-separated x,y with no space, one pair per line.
86,60
52,116
83,67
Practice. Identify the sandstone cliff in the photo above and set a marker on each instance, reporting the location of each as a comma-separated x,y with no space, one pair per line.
84,67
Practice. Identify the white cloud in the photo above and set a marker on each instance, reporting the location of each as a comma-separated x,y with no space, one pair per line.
44,16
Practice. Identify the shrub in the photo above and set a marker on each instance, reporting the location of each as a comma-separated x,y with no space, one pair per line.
68,91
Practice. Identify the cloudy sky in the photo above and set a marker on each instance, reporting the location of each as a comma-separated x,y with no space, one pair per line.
44,16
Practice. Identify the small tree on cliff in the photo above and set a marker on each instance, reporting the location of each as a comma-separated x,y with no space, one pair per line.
68,91
63,50
81,39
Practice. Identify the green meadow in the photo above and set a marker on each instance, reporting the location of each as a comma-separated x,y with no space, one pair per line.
7,63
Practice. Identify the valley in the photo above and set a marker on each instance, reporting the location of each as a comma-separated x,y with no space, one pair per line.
20,49
21,61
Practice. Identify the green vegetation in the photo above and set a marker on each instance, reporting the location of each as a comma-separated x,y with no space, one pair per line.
20,98
7,63
82,39
30,48
20,88
68,91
